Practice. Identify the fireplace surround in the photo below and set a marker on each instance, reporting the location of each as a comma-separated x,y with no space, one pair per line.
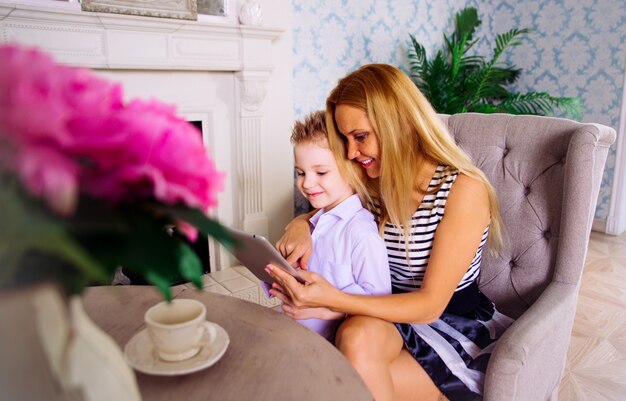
221,75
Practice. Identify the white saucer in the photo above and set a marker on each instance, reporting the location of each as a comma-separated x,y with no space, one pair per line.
141,355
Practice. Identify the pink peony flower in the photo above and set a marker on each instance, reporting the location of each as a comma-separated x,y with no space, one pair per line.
70,131
152,153
38,97
50,174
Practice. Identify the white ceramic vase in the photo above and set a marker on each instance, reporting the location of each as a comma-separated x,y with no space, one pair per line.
95,362
48,339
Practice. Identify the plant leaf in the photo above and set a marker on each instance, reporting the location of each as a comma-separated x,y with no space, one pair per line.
539,103
28,226
189,265
466,22
162,283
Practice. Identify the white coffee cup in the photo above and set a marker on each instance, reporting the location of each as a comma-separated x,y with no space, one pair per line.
177,328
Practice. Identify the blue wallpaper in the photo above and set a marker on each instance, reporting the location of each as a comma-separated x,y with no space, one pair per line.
577,48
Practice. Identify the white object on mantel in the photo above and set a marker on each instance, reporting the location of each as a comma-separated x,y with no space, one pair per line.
84,359
250,13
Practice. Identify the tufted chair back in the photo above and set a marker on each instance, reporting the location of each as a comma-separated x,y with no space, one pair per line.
539,168
547,174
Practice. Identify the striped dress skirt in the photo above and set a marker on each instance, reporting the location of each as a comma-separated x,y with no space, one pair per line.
455,349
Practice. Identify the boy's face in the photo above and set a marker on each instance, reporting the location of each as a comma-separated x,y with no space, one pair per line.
318,177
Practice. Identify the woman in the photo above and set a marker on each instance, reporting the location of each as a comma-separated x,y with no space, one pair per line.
433,336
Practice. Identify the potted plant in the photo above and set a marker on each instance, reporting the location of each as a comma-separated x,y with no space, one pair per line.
456,81
89,183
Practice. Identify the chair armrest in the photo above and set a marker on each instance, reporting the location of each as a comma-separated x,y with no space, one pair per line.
529,358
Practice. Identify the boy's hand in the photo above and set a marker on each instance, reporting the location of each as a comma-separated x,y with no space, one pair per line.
296,313
296,244
317,292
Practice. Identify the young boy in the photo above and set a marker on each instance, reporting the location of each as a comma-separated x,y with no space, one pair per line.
347,248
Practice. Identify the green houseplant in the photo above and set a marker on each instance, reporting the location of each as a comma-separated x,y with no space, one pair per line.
456,81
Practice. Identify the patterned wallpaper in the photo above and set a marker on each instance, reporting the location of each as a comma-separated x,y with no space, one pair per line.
577,48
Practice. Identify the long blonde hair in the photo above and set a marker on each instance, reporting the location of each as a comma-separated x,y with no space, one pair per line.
408,132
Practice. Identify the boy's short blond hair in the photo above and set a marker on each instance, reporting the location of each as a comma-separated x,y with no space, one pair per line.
310,129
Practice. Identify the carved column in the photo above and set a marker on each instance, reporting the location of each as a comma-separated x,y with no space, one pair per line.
250,141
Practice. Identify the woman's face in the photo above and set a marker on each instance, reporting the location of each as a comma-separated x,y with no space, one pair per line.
361,142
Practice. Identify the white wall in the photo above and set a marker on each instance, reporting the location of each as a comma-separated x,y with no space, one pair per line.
278,155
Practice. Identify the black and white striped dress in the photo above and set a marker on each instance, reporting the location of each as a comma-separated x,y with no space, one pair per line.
455,349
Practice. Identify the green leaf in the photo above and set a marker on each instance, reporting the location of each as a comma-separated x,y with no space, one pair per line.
28,226
190,266
539,103
147,245
466,22
418,63
505,75
508,39
162,283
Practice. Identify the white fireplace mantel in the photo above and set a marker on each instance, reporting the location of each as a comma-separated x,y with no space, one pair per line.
115,43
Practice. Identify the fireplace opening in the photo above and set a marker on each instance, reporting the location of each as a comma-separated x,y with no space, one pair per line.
201,245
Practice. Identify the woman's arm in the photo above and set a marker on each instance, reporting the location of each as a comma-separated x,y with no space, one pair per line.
296,244
310,313
456,241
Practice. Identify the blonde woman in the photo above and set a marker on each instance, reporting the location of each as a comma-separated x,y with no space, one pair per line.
432,337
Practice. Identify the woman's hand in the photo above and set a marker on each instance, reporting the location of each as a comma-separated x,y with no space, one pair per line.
317,292
309,313
296,244
292,311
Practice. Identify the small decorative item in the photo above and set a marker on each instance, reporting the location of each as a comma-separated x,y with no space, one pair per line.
89,183
251,13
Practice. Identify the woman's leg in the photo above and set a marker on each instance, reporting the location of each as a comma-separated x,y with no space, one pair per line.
371,345
411,382
376,350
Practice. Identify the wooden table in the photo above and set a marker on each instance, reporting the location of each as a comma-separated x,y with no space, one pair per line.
270,357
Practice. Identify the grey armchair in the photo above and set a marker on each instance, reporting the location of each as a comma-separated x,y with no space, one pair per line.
547,174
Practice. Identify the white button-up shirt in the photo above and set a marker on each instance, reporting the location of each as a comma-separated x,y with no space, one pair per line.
349,253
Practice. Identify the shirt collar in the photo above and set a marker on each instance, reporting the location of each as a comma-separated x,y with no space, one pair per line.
345,210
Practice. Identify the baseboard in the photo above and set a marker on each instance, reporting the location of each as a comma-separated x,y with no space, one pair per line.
599,225
613,226
609,226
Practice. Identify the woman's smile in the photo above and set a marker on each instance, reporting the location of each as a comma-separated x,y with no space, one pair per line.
366,163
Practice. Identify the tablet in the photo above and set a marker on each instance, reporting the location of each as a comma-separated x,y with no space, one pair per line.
255,252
